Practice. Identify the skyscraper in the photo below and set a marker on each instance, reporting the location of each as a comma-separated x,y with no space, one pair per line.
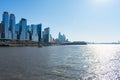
27,32
61,38
17,31
12,27
35,32
46,35
5,22
39,32
30,32
0,29
23,27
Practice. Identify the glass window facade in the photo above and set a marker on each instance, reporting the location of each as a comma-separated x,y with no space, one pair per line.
12,26
46,35
35,34
5,21
23,25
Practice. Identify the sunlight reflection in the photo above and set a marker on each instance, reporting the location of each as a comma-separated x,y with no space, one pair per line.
104,52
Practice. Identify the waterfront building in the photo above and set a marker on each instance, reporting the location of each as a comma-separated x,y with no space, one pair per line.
17,31
51,39
0,29
61,38
23,29
12,27
35,34
46,35
27,32
5,21
30,32
39,32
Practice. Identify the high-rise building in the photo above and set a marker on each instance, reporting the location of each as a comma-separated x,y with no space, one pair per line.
12,27
51,39
39,32
61,38
46,35
35,34
27,32
30,32
1,29
23,27
17,31
5,21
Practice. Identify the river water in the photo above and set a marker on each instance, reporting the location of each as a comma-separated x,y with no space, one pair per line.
84,62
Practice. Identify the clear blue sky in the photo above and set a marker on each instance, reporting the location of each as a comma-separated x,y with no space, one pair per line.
88,20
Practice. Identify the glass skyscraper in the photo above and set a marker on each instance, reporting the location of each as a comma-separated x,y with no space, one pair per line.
46,35
35,34
27,33
17,31
12,27
39,32
30,32
23,26
0,29
5,22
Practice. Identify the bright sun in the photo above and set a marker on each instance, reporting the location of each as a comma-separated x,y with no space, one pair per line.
102,2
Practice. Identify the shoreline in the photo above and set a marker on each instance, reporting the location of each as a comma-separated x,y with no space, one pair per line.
22,43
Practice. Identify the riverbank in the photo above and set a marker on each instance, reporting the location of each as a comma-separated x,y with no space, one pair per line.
21,43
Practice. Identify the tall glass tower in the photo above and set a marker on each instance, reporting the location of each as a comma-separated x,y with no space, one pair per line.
39,32
5,21
23,26
35,34
27,32
17,31
0,29
46,35
12,26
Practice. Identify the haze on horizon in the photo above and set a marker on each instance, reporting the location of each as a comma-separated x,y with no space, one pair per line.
79,20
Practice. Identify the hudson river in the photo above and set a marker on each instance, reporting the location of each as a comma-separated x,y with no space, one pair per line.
85,62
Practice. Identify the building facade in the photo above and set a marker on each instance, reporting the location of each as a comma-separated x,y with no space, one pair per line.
46,35
5,22
23,27
12,27
35,34
17,31
39,32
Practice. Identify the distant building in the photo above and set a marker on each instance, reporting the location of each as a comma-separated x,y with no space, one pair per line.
36,32
17,31
5,21
39,32
46,35
23,29
1,29
12,27
61,38
27,32
30,32
51,39
34,35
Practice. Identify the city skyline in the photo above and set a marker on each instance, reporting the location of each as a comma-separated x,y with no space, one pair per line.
10,30
80,20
